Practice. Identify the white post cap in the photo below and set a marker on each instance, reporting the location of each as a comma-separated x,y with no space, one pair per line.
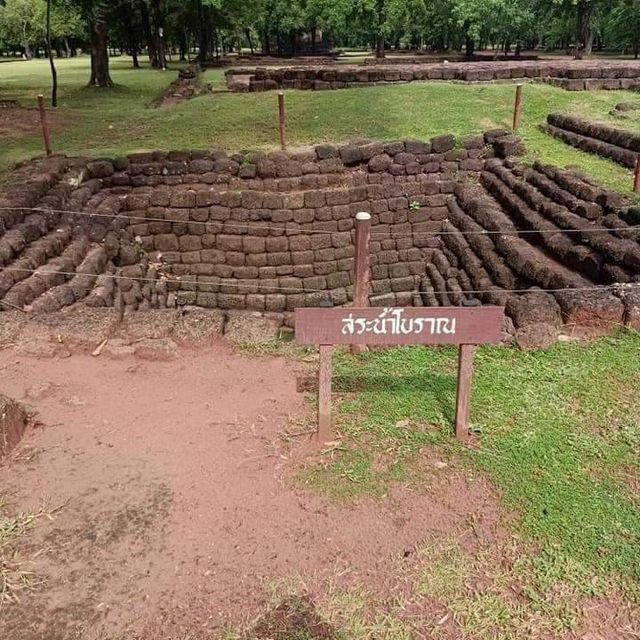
363,215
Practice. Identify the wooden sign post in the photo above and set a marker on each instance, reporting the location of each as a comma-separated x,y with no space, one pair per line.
361,267
463,326
282,124
44,125
517,108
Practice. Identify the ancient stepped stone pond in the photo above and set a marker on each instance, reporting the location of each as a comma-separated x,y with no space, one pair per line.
454,222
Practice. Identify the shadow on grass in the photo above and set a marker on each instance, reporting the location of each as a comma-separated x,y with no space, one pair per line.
438,389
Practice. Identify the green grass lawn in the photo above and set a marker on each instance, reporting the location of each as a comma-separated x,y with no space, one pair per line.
558,432
119,120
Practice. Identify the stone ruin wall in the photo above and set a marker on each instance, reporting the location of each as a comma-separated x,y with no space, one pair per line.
569,75
617,144
255,231
452,225
437,58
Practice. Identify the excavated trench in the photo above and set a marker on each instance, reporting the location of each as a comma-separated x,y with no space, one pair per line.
454,223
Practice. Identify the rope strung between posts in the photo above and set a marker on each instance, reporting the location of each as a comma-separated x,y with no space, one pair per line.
230,283
374,234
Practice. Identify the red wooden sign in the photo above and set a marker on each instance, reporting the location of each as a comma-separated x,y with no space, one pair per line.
396,326
464,326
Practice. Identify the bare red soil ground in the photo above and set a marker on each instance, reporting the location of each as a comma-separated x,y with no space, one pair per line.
16,122
177,510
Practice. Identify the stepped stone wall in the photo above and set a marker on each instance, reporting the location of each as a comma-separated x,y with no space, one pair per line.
619,145
453,223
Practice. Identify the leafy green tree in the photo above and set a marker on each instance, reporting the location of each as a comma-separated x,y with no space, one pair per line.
622,26
19,25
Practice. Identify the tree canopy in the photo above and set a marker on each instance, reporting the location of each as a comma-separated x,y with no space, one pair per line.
206,29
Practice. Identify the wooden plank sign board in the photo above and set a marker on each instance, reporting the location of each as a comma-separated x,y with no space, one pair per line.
463,326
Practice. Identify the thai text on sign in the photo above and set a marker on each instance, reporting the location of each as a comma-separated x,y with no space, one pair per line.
399,325
393,321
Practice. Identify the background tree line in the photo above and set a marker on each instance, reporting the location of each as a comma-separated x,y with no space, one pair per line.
207,29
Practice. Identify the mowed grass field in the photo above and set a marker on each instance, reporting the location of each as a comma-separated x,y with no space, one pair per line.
119,120
557,432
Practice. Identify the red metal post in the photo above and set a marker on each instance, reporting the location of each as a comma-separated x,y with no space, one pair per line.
636,175
282,121
517,108
463,394
45,125
362,269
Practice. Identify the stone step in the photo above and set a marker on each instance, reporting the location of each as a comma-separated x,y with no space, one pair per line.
53,273
528,261
583,188
550,188
77,288
34,256
591,145
14,241
481,245
551,239
607,248
104,291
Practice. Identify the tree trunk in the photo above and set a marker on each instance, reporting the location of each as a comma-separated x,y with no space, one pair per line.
134,55
100,76
247,32
469,42
469,46
54,73
380,28
158,20
132,36
67,48
586,34
182,46
203,44
148,34
314,37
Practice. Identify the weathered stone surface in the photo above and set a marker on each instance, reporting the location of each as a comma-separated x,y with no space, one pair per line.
243,328
441,144
536,336
380,163
534,308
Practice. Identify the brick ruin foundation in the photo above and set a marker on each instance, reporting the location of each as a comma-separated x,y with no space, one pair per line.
614,143
452,224
572,75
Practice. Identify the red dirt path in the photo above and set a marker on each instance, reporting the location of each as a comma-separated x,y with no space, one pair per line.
178,512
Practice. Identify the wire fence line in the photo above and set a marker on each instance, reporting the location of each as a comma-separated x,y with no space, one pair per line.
238,284
298,230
